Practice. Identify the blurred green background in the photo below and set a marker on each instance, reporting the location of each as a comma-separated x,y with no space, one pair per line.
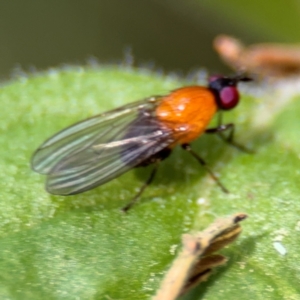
52,246
169,34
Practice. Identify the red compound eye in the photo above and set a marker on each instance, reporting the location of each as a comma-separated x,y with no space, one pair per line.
229,97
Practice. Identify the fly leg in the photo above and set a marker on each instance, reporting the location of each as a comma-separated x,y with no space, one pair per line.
143,187
188,148
230,127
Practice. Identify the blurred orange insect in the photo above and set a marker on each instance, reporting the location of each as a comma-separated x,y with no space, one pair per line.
267,59
96,150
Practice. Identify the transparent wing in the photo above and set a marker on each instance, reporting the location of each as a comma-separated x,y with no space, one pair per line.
98,149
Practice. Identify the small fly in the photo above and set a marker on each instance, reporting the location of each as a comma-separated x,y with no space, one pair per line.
101,148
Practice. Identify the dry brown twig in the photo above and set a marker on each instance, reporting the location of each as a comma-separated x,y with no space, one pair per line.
266,59
195,262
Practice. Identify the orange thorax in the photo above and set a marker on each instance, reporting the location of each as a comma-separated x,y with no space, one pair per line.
187,111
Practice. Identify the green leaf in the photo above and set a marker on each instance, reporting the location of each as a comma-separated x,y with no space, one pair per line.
83,247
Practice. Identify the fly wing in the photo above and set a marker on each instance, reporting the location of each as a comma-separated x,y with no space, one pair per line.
98,149
83,135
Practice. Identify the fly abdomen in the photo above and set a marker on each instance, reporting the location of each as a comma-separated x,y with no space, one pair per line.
154,135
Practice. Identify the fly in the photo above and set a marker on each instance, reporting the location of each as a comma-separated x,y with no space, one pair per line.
101,148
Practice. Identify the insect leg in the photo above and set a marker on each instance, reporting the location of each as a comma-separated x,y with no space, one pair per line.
143,187
188,148
230,127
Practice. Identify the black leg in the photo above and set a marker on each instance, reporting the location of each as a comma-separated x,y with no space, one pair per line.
188,148
230,127
137,196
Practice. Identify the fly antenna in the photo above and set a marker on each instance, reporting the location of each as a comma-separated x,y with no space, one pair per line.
241,77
